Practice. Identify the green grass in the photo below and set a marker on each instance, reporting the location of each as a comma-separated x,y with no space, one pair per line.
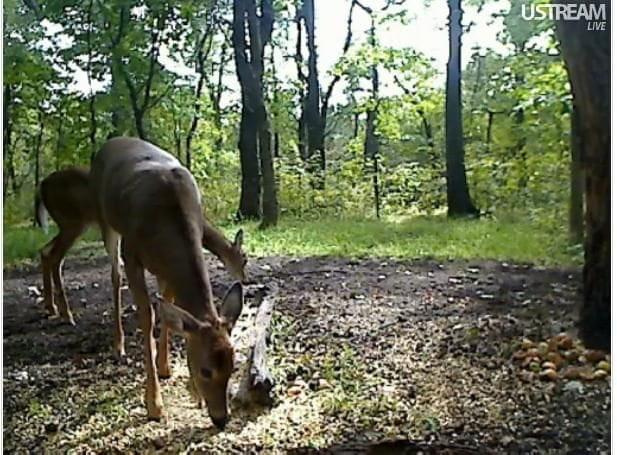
508,239
21,244
416,237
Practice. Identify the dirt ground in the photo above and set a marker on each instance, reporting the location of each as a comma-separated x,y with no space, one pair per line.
416,353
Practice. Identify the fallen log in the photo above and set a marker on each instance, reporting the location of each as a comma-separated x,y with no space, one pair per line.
257,383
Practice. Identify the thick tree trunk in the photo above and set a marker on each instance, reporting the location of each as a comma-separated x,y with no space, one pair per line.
250,192
459,200
312,114
255,135
588,58
577,182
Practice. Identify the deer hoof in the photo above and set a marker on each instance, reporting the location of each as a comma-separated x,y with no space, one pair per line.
156,414
164,373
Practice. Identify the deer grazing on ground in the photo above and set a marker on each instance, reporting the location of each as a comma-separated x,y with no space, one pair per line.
65,196
144,196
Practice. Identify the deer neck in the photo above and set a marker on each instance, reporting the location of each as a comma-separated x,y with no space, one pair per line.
191,287
215,242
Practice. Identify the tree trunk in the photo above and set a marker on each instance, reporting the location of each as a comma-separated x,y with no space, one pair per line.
119,112
250,192
588,59
37,150
459,200
6,139
92,100
255,136
371,143
302,79
312,114
59,143
269,203
489,130
577,182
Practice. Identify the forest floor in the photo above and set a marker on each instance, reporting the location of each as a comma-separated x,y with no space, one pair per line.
369,356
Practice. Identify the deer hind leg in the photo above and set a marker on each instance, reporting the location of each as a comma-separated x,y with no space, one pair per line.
137,285
162,357
112,245
62,244
48,291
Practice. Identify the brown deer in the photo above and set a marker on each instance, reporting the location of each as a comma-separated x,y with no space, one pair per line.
65,195
146,197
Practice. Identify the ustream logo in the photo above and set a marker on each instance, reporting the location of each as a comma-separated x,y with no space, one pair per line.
594,14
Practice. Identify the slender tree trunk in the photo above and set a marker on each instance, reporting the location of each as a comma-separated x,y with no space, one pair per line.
6,139
489,130
277,144
92,100
59,143
269,205
119,113
588,59
459,200
37,150
302,79
577,182
371,143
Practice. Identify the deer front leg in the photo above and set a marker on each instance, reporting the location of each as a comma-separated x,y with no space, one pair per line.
112,244
137,285
48,296
162,357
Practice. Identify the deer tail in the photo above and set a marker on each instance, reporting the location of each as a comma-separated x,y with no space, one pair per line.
40,211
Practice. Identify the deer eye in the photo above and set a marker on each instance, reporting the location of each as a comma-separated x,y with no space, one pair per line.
206,373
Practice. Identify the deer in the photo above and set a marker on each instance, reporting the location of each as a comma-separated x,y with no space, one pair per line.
65,196
146,198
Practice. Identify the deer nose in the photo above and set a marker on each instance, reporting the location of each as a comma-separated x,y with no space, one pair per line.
220,422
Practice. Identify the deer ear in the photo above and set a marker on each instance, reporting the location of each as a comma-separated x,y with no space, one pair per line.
179,320
239,239
232,305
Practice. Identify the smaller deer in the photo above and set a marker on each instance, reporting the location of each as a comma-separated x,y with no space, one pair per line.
65,196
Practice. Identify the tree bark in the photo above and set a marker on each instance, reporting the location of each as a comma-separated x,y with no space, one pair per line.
91,102
577,182
459,200
38,144
588,59
255,142
7,139
118,113
313,118
489,130
371,143
302,79
200,60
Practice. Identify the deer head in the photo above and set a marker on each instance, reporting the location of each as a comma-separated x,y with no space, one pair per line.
210,354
